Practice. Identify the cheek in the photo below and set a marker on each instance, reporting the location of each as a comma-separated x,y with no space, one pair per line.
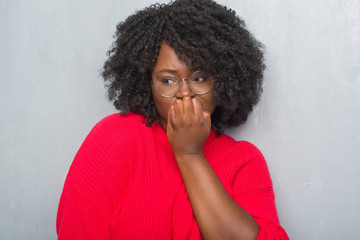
211,106
162,106
209,102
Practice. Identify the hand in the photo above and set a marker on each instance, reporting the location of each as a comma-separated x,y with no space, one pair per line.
188,126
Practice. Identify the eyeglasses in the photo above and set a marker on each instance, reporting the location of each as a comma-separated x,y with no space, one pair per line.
168,85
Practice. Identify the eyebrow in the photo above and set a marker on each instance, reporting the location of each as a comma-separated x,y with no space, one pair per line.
167,70
174,71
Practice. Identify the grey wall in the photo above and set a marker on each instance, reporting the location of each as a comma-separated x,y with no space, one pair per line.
307,124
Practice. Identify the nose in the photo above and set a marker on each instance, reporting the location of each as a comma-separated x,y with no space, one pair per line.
184,90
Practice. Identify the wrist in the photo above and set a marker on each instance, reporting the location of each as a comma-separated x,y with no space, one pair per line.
189,156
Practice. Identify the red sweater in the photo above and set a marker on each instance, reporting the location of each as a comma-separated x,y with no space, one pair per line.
124,183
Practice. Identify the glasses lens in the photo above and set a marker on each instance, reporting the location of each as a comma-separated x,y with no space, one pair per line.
200,83
167,86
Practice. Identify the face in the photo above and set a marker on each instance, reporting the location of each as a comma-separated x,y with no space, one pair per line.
169,64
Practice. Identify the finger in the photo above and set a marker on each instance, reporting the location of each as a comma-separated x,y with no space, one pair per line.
188,106
198,110
171,117
207,118
178,109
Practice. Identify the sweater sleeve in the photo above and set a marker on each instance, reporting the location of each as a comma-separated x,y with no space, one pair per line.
80,216
96,181
253,190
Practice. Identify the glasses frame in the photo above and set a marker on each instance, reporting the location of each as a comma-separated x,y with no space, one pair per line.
179,82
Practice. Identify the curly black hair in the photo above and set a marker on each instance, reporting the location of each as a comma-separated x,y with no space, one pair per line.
201,32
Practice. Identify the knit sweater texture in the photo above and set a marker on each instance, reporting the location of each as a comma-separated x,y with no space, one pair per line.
124,183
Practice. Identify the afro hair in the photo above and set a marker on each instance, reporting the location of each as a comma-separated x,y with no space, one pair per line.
201,32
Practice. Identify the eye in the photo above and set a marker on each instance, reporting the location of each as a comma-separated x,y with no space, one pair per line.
167,80
199,77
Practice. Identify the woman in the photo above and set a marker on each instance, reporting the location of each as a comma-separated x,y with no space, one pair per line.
163,169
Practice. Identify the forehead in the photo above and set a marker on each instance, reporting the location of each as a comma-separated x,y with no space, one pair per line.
168,61
168,58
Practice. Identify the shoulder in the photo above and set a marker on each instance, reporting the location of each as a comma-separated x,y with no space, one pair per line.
102,165
117,125
119,120
225,152
113,134
227,144
110,144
